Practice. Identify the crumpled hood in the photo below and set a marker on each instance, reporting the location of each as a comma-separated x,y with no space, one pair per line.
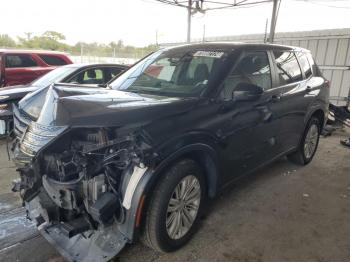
60,105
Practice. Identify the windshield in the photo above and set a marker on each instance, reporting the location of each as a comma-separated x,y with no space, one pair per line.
172,72
53,76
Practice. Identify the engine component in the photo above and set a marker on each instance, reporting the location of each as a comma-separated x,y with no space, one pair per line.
74,227
63,194
104,208
97,187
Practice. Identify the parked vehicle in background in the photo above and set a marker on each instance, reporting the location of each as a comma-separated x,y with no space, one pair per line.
92,75
20,67
99,167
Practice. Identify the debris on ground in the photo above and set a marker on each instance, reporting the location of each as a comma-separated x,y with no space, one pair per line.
328,130
345,142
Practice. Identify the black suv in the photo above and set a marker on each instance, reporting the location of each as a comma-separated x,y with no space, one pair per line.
99,167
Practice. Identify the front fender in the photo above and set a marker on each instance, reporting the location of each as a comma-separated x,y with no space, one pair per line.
144,187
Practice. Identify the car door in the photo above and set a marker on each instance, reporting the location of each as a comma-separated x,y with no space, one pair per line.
293,100
248,128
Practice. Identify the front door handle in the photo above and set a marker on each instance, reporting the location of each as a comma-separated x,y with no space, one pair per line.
275,98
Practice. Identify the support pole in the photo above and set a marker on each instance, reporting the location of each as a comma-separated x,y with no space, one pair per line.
273,21
156,37
203,38
189,9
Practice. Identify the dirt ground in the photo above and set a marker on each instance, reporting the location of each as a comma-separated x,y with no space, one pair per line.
281,213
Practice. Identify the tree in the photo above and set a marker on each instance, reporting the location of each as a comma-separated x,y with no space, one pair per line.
54,35
52,40
7,41
120,44
28,35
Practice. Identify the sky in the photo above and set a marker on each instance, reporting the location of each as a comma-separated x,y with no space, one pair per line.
137,21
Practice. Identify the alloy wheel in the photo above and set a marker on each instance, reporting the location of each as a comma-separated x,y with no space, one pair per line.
310,143
183,207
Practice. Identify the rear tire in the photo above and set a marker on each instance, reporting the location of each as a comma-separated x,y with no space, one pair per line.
171,208
308,144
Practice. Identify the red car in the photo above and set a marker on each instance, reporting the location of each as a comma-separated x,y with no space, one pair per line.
20,67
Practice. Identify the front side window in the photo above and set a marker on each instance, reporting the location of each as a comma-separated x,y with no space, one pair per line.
304,63
20,60
172,72
89,76
253,68
287,67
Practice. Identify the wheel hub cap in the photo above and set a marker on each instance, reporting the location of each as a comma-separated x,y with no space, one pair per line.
183,207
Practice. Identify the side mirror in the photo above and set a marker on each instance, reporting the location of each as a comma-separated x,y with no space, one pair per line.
247,92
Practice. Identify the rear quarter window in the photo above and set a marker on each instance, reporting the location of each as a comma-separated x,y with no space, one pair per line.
305,65
53,60
315,69
19,60
287,67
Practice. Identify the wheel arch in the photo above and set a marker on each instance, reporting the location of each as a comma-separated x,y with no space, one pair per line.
319,113
203,154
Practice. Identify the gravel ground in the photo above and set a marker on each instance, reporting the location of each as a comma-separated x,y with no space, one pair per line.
281,213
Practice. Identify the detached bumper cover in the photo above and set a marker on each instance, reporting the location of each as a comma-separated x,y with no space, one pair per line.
90,246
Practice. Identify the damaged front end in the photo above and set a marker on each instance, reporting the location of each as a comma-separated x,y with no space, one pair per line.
77,183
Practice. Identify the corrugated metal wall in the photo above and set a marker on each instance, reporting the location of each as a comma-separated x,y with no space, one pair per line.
331,49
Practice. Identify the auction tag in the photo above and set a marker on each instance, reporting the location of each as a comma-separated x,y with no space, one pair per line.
213,54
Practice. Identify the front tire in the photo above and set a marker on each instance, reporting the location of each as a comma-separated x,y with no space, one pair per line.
308,144
175,207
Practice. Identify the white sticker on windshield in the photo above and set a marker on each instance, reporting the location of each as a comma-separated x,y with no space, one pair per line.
213,54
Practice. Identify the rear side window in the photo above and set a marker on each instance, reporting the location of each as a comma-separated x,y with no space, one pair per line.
19,60
53,60
115,71
111,72
304,63
287,67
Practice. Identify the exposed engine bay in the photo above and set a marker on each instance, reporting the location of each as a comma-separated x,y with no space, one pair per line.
79,188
